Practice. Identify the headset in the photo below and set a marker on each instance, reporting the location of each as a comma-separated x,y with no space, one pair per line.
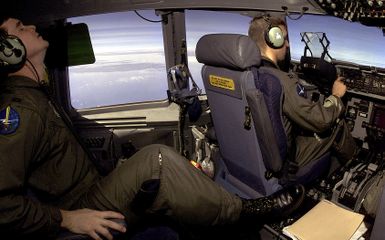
12,53
274,35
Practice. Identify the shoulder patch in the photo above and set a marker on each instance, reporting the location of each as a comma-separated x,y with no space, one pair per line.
301,90
9,120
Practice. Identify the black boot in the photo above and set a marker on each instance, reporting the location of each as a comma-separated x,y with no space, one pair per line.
278,205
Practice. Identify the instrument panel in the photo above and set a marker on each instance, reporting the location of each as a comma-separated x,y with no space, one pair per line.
367,82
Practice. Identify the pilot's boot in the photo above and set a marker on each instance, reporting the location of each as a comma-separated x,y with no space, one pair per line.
278,205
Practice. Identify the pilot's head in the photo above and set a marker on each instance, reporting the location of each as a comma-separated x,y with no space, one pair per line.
270,34
32,45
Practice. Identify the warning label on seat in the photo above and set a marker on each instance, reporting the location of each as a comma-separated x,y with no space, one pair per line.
222,82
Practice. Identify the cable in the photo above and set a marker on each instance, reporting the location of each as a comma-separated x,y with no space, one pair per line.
34,70
304,9
149,20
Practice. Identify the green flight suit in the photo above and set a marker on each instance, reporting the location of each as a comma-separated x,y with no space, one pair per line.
311,127
43,168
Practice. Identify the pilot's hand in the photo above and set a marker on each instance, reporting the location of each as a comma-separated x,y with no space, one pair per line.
339,87
92,222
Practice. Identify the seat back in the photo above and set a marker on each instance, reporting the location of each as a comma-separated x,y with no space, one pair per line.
227,78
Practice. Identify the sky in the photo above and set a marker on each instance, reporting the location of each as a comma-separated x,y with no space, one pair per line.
130,62
349,41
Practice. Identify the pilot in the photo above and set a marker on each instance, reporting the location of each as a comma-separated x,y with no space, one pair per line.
312,127
48,181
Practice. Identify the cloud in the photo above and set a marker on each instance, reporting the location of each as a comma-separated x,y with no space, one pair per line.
117,87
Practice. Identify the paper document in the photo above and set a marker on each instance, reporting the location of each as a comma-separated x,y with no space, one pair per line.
325,221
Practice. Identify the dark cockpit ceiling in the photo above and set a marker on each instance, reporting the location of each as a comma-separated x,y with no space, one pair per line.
50,10
368,12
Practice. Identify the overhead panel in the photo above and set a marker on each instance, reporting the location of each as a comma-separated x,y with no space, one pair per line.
51,10
367,12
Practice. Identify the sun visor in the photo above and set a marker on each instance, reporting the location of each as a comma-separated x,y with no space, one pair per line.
70,45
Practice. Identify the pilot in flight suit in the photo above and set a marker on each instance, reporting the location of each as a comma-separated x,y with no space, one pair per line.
312,127
45,170
39,151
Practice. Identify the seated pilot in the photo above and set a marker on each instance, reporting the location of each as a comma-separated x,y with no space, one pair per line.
313,128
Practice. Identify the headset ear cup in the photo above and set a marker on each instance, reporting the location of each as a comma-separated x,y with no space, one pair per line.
12,54
274,37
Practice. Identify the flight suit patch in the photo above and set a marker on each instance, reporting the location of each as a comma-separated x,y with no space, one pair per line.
9,120
301,90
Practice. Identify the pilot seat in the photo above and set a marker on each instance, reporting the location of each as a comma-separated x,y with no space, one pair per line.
245,100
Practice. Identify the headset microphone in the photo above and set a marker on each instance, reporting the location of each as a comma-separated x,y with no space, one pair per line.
12,53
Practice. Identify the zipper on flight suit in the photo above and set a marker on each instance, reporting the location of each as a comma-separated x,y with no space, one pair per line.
160,159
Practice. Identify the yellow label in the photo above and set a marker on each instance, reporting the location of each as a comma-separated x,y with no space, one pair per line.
7,115
222,82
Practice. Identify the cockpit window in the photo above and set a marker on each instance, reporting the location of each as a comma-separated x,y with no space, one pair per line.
129,63
199,23
349,41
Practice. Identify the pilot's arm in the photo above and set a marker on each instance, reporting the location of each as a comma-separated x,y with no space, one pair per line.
313,116
20,131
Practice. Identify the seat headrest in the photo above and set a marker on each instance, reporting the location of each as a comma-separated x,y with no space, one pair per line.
234,51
